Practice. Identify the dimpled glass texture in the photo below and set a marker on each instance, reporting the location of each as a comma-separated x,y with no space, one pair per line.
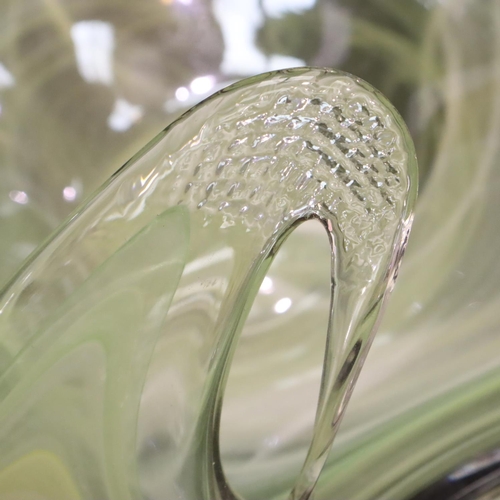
175,246
85,84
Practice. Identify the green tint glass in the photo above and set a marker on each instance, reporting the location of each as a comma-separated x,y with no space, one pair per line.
175,247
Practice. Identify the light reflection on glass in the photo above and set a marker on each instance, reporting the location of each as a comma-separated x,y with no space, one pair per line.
69,193
267,286
239,23
182,94
19,197
7,80
277,61
94,43
277,8
471,468
202,84
124,115
184,98
282,305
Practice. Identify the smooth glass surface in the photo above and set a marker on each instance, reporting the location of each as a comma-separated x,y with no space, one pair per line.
175,247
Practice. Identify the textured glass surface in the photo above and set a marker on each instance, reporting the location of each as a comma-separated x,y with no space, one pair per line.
176,245
84,85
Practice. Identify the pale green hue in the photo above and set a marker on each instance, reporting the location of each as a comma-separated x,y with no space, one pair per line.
37,476
231,180
430,383
72,389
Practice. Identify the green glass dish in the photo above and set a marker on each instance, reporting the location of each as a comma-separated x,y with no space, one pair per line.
175,247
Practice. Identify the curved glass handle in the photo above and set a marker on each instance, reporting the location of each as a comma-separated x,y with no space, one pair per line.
174,247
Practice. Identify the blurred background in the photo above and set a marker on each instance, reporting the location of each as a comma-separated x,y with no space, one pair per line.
84,84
